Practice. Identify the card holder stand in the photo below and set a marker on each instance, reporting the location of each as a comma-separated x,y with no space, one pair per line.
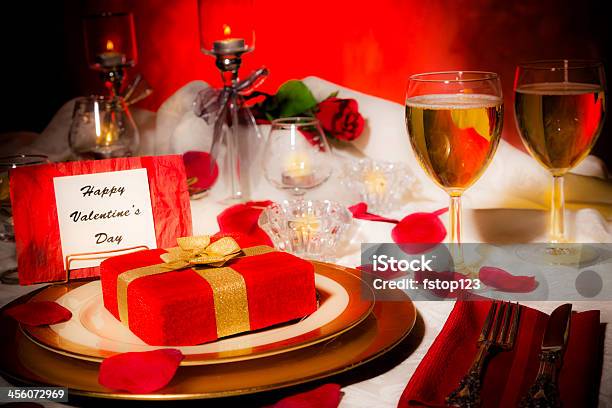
86,256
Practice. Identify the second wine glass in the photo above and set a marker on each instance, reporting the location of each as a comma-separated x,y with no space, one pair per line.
297,157
559,107
454,121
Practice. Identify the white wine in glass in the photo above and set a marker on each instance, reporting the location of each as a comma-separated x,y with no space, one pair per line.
454,121
559,108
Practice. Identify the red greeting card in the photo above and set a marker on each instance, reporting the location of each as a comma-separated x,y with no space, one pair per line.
95,204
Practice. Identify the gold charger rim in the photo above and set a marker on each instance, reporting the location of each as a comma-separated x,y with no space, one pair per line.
384,315
356,311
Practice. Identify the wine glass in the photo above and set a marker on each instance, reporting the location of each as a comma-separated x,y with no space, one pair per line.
102,128
559,108
296,156
454,121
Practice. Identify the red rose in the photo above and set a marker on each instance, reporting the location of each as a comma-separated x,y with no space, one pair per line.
340,118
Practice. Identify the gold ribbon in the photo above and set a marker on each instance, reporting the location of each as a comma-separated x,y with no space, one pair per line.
207,260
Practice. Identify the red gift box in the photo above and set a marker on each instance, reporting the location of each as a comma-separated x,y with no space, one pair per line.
178,307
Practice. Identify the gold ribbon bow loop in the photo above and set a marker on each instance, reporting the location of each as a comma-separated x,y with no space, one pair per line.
199,251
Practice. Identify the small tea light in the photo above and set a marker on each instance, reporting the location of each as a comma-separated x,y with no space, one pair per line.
229,46
298,170
305,226
382,185
375,182
110,58
311,229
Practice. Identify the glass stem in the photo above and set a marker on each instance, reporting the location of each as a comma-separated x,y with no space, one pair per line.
455,231
232,152
557,211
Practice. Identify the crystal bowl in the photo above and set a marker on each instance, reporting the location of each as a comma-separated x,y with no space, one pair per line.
382,185
311,229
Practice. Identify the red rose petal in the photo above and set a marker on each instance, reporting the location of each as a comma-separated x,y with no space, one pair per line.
502,280
242,219
360,211
419,232
198,165
325,396
39,313
140,372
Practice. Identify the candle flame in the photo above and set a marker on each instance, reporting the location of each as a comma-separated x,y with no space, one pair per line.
109,45
227,30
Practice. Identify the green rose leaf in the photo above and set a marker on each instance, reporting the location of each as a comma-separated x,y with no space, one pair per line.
294,98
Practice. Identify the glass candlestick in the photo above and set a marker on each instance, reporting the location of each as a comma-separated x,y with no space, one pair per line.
110,44
102,125
226,33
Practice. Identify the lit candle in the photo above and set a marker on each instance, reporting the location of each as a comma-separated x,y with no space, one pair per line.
297,171
228,45
305,226
375,182
110,58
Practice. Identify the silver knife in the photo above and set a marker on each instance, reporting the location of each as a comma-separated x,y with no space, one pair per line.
544,392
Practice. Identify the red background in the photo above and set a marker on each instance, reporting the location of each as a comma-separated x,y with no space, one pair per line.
371,46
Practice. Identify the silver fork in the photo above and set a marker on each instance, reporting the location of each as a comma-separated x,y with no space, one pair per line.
498,333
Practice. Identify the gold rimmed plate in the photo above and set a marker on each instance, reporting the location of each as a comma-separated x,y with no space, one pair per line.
23,361
94,334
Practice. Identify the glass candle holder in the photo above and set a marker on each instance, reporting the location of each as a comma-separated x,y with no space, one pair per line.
306,228
110,40
381,185
226,27
102,128
297,157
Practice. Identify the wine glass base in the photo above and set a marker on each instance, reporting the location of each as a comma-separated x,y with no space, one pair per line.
558,254
232,200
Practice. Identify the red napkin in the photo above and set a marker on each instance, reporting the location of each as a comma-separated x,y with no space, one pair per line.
39,313
326,396
140,372
198,165
240,222
509,374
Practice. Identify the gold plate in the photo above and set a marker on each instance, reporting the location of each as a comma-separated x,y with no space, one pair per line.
356,311
23,361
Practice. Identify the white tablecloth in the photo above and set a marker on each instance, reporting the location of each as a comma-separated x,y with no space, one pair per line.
507,205
382,390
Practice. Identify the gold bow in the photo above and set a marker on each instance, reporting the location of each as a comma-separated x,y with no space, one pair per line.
199,251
